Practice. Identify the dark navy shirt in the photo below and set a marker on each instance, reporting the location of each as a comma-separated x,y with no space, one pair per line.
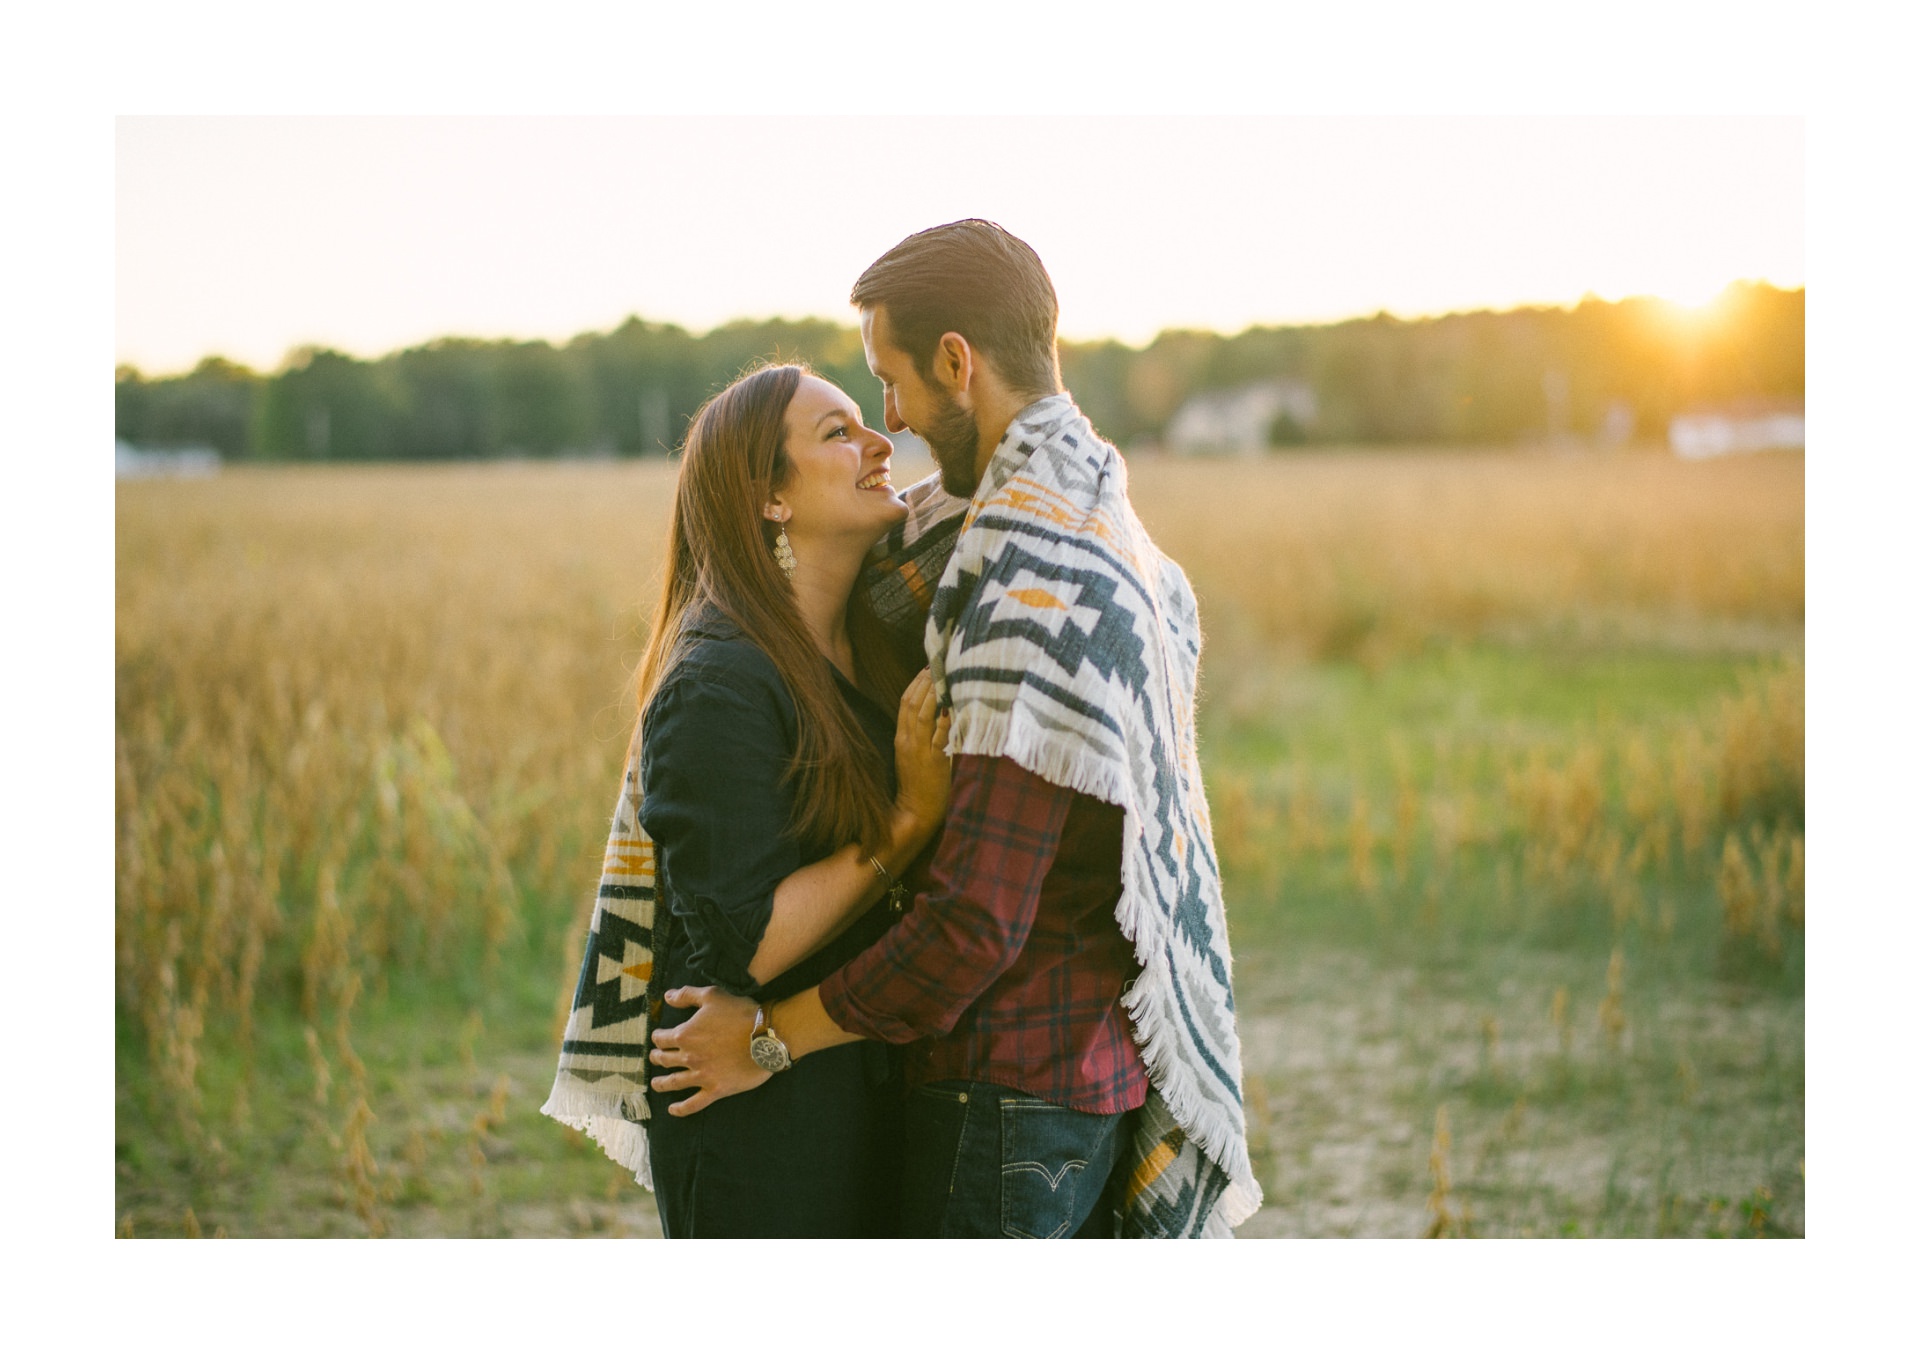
815,1150
720,734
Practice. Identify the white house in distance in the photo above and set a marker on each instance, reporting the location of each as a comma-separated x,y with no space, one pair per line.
135,463
1752,426
1239,421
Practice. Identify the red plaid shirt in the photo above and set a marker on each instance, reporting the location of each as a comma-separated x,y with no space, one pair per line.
1009,968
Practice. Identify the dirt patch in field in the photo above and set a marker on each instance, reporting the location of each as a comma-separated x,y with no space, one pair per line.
1692,1122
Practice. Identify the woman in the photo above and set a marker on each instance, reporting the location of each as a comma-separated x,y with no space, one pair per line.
789,774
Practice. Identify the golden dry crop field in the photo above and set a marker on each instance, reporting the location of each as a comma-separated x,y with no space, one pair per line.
1506,762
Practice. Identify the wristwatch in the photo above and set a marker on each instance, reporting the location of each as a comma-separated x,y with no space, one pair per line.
765,1047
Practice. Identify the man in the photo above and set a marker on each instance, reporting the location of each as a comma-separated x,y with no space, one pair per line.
1064,986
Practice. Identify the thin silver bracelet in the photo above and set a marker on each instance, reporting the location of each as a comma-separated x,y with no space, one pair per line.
896,891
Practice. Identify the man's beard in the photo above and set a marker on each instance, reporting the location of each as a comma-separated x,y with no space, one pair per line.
954,440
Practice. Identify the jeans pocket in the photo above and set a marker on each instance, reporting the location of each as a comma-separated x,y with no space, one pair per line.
940,1141
1043,1160
944,1092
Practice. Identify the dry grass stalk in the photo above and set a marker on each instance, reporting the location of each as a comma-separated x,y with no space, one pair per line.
1578,801
322,1072
1259,1116
343,1043
1445,1222
240,1113
1744,910
327,959
1306,824
1232,806
1446,831
1651,847
1763,763
485,1124
1625,901
361,1168
1606,850
470,1031
1645,792
1692,798
1796,882
1406,827
1360,845
1689,1080
1430,895
575,941
1406,812
414,1150
1612,1011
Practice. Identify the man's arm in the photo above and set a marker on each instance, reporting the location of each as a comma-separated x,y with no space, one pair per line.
708,1050
1002,835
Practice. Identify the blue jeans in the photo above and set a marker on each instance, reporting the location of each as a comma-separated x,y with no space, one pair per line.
982,1160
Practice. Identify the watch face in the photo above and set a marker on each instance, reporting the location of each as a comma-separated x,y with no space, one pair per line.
769,1053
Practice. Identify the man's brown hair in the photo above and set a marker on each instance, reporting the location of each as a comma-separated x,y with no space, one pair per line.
975,279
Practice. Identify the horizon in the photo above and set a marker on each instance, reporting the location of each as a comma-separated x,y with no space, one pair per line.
1683,311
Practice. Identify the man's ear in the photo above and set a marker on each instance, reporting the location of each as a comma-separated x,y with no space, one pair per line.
955,363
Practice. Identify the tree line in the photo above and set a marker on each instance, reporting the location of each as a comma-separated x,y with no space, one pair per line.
1599,368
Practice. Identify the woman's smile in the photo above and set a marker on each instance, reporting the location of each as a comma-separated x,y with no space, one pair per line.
826,441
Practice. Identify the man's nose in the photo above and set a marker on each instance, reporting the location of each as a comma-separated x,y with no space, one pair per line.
893,420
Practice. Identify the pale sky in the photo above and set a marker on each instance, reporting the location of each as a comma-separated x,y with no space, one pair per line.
246,236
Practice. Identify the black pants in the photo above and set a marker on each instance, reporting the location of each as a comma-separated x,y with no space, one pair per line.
815,1152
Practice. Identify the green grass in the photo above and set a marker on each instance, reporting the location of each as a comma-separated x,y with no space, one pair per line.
460,1147
1363,1012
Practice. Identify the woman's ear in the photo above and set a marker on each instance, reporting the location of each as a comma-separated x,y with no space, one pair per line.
775,511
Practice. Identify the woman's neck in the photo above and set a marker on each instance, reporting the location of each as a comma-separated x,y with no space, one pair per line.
821,587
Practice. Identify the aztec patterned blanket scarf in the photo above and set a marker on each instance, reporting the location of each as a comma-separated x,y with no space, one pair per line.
1067,642
601,1086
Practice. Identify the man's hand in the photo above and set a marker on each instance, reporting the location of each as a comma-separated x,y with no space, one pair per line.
709,1048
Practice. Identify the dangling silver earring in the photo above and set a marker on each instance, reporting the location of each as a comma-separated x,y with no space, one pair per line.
783,552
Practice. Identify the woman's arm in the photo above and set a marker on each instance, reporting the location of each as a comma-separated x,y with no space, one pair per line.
817,902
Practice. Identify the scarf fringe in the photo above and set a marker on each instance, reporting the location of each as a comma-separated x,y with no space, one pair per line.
1015,735
1212,1129
621,1139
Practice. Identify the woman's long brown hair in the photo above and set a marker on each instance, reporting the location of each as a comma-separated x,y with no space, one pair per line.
720,555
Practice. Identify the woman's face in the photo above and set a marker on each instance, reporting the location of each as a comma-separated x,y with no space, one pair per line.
839,493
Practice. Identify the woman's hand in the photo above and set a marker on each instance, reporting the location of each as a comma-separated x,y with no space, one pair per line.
920,758
709,1048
